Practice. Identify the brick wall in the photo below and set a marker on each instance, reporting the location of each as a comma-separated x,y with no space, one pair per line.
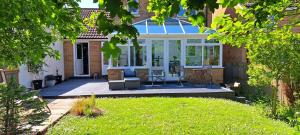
68,59
142,74
199,76
115,74
95,57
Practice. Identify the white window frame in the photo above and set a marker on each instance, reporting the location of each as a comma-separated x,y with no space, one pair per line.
128,62
203,44
129,54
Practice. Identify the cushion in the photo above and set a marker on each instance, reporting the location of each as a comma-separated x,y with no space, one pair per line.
129,73
131,79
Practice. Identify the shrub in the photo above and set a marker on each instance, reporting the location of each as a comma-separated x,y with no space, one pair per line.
86,107
19,109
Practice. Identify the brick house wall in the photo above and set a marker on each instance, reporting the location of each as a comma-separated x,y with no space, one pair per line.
95,57
68,59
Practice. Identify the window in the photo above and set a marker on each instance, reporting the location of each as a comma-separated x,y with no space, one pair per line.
79,51
193,55
122,60
211,55
138,56
134,11
182,11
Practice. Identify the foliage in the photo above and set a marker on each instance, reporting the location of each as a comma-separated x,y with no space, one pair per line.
86,107
285,113
114,16
273,49
19,109
172,116
28,28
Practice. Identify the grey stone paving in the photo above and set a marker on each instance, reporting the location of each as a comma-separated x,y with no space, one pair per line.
59,108
85,87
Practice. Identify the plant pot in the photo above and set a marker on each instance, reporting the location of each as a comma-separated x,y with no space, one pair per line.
50,83
37,84
58,79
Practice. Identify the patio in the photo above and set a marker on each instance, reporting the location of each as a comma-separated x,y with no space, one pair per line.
87,87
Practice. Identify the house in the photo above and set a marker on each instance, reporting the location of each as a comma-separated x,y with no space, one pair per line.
177,41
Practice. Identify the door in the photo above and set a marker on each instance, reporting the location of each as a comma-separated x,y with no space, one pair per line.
174,59
81,59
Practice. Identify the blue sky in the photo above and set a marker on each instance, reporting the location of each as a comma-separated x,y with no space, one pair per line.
88,4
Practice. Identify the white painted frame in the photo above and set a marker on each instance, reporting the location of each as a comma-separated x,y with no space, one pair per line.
75,56
166,38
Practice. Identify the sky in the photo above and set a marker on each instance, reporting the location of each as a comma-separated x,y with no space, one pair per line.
88,4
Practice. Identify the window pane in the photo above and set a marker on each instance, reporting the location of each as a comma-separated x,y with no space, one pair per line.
122,60
189,28
181,12
194,41
141,27
79,51
174,56
211,55
138,56
172,26
194,55
142,41
157,53
154,28
134,11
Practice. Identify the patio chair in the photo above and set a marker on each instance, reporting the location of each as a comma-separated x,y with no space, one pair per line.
180,70
158,75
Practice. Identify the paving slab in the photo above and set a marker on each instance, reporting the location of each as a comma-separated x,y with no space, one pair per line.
59,108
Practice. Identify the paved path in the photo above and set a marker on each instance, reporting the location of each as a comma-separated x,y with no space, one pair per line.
58,107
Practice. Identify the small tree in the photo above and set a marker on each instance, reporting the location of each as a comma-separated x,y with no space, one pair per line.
273,49
19,109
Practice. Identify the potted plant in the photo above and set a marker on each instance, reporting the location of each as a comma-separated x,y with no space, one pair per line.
50,80
58,77
36,69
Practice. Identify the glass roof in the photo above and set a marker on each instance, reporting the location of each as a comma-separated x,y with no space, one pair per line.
170,26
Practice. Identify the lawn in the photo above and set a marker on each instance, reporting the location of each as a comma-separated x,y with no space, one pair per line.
169,116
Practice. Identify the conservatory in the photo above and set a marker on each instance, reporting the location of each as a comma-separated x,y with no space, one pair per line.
175,42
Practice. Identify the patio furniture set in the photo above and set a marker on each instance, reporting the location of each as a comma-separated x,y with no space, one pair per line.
131,81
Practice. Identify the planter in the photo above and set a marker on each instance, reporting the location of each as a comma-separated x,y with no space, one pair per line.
50,83
37,84
58,79
50,80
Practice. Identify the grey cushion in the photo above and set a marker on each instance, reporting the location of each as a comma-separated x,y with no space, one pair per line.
131,79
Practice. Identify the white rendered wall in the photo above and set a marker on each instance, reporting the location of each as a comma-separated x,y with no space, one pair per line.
25,77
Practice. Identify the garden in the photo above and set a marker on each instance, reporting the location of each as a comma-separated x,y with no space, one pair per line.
171,116
266,29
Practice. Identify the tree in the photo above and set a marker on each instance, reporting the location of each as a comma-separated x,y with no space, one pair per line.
273,49
28,28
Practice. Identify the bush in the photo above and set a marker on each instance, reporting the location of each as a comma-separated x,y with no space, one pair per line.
86,107
19,109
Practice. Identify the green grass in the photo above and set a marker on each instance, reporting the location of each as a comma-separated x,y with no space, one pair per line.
169,116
